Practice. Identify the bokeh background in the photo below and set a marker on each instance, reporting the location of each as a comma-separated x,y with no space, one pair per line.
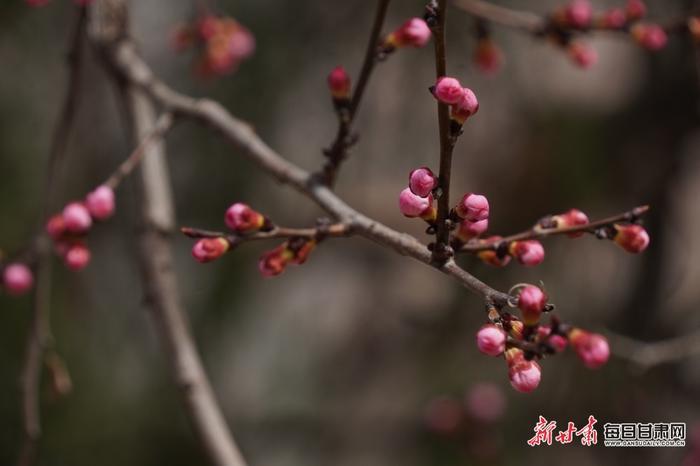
338,361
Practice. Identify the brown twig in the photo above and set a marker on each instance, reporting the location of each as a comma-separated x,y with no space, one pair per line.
516,19
334,230
39,336
337,152
123,56
540,230
646,355
441,249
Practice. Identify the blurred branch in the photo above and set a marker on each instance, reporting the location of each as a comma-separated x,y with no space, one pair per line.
39,335
123,56
646,355
523,20
543,229
161,287
337,152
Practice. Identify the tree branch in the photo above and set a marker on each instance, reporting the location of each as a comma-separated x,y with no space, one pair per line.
39,334
123,56
343,139
541,230
335,230
646,355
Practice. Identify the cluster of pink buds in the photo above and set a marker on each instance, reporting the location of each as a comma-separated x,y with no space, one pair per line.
223,42
523,340
17,278
413,33
417,199
462,101
69,228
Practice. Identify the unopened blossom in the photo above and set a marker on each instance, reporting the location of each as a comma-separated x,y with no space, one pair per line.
465,108
524,375
485,402
571,218
100,203
209,249
531,303
468,230
591,348
491,340
448,90
242,218
635,9
275,261
17,279
77,256
578,14
491,257
650,36
614,18
473,207
422,181
55,226
414,33
632,238
339,83
528,252
412,205
76,218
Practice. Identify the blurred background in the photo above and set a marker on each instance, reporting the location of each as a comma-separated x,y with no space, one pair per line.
359,357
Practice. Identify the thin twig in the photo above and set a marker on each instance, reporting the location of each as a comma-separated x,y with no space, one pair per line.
646,355
447,142
39,335
334,230
516,19
540,231
337,151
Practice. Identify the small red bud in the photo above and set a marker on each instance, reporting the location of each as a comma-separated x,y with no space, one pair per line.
582,55
531,303
77,257
488,57
55,226
76,218
469,230
465,108
491,257
524,375
571,218
491,340
578,14
614,18
635,9
632,238
448,90
100,202
528,253
650,36
274,262
422,181
473,207
414,32
18,279
242,219
339,83
412,205
209,249
591,348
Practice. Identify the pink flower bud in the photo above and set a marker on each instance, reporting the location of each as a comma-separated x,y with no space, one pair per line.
412,205
531,303
301,254
55,226
274,262
465,108
448,90
591,348
339,83
422,181
491,257
18,279
635,9
614,18
582,55
485,402
414,32
650,36
525,375
558,342
100,203
468,230
529,253
242,219
571,218
632,238
491,340
209,249
473,207
77,257
488,57
578,14
76,218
